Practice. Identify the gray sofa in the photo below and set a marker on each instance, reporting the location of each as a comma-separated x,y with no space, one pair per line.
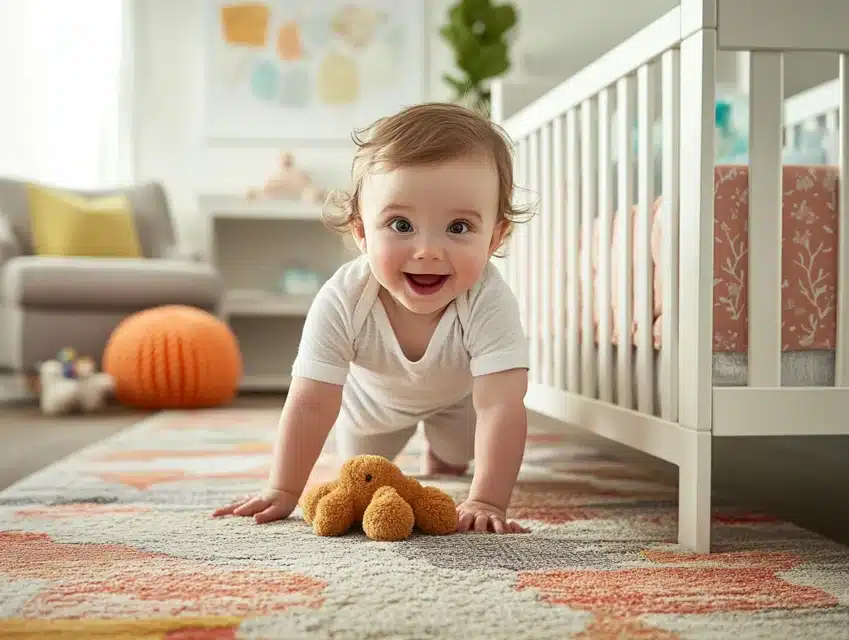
47,302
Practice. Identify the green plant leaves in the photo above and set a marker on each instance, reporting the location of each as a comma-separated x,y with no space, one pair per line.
477,31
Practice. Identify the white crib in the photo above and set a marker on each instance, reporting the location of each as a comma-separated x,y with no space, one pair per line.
661,390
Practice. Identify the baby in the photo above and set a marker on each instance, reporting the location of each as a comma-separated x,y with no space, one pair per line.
421,327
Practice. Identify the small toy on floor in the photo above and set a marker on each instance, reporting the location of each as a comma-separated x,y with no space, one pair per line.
373,491
71,383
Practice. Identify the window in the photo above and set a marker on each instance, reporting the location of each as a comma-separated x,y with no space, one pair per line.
66,100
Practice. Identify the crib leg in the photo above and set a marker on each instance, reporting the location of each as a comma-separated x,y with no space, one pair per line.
694,493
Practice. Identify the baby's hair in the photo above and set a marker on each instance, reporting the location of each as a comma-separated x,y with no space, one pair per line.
424,134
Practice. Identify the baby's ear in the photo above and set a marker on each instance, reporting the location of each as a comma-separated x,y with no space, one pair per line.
359,233
499,233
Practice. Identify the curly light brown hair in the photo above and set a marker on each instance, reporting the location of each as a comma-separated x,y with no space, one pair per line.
424,134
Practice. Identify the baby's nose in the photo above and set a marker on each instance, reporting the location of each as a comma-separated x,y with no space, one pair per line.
428,254
429,249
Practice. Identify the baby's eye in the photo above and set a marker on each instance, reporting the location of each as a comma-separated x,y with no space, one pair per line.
401,225
458,227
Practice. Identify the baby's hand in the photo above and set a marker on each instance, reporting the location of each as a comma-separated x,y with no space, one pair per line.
483,518
271,504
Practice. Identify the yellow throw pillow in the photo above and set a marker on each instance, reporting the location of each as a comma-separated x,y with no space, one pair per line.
64,224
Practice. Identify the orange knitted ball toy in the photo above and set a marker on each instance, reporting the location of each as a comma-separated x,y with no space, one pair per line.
173,357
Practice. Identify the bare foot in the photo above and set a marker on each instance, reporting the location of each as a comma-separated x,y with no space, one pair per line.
433,466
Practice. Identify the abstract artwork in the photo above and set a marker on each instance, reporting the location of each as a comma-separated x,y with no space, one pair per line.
295,69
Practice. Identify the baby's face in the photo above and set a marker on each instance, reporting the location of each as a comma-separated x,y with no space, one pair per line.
430,230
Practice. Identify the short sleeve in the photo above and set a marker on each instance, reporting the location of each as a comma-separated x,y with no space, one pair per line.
326,347
496,340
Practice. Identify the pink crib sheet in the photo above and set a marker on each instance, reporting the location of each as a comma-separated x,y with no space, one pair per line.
809,261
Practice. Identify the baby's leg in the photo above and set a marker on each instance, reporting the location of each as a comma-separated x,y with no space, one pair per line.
450,438
351,442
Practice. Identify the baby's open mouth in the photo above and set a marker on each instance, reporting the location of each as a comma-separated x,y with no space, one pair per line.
426,283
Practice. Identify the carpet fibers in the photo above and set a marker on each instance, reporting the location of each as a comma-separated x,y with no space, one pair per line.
117,541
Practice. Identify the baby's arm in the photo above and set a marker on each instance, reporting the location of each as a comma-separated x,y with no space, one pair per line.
315,396
308,416
500,433
498,352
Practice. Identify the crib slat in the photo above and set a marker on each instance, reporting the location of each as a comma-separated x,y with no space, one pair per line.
534,289
765,202
832,119
546,229
842,356
695,255
670,96
644,271
521,254
790,136
588,214
514,253
559,263
509,246
572,249
624,319
605,227
514,250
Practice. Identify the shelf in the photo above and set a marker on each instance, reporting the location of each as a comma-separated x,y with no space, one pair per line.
265,383
249,302
252,243
239,207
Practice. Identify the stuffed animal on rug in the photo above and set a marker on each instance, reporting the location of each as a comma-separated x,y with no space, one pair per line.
373,491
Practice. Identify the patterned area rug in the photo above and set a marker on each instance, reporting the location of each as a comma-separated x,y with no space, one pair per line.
117,542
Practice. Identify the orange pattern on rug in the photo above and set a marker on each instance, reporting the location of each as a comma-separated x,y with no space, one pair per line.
120,581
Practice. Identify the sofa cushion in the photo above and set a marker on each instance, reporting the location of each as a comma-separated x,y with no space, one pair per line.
108,283
149,203
65,224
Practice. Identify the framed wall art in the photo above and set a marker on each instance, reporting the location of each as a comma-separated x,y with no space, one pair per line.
300,69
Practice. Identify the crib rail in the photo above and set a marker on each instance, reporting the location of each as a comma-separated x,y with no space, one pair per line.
619,62
585,270
565,156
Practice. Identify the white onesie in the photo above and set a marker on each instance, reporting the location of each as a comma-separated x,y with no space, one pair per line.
348,340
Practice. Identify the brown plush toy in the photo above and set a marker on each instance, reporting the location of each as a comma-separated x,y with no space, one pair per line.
372,490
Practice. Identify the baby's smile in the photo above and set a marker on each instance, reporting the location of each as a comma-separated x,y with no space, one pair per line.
426,283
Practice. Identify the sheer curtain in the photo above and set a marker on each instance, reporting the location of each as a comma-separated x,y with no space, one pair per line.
66,81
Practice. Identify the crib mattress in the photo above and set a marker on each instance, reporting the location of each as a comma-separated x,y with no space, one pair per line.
809,260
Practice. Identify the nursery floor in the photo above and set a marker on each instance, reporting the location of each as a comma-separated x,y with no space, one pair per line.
119,541
40,440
